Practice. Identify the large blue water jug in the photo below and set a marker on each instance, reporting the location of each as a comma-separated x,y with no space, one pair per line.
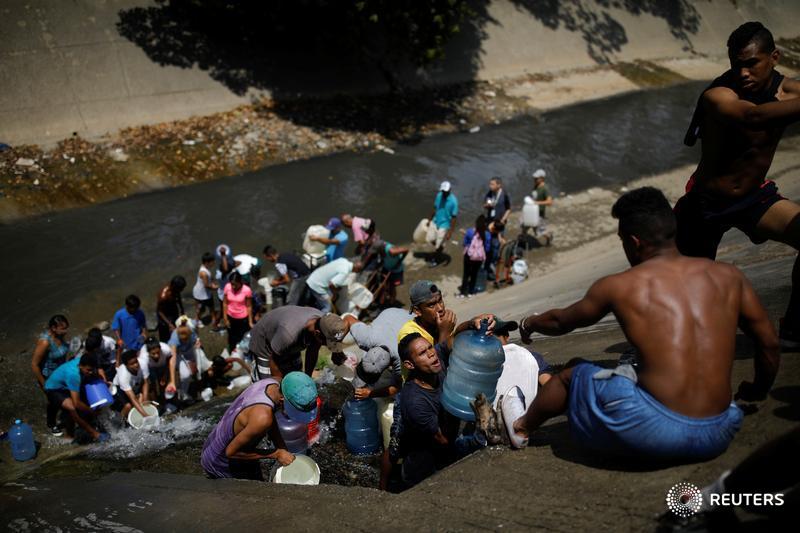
363,435
23,447
475,366
295,434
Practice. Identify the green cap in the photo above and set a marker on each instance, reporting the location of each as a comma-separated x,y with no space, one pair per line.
300,395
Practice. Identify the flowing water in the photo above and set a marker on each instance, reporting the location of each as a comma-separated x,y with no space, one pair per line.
85,261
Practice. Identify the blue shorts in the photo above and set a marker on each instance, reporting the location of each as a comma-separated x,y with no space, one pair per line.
617,416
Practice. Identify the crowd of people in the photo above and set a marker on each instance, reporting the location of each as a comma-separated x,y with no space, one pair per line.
168,364
671,399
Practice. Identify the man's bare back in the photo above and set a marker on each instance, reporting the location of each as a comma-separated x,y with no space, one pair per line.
681,314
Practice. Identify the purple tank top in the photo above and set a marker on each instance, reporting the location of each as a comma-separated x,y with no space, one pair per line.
213,458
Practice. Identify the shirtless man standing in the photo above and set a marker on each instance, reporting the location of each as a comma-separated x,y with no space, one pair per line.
740,119
681,314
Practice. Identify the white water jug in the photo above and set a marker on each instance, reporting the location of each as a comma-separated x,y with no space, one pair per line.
530,213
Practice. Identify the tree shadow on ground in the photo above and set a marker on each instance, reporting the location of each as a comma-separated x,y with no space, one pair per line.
603,34
300,48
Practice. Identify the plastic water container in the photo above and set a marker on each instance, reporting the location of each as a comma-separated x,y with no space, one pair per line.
97,394
519,271
244,344
295,434
277,296
137,421
313,261
313,426
386,411
302,471
475,366
359,295
361,429
240,382
314,247
421,231
23,447
481,280
530,213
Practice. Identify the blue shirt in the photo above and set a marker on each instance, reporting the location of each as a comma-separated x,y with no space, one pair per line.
67,376
392,263
487,239
335,251
184,350
129,327
444,214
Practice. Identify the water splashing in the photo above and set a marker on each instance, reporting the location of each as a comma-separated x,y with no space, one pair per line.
128,443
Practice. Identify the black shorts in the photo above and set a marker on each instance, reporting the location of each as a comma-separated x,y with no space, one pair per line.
205,304
704,218
395,278
120,401
56,397
157,373
242,469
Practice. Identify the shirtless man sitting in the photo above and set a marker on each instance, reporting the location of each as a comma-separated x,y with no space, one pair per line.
681,314
740,119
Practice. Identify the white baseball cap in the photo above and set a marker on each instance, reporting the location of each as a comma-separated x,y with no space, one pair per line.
540,173
445,186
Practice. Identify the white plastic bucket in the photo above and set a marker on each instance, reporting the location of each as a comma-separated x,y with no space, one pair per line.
421,231
314,247
137,421
302,471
